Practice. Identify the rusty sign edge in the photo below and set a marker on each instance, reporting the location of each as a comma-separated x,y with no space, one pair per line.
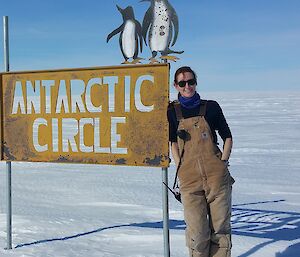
87,68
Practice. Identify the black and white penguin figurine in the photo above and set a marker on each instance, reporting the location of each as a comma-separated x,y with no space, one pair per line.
159,20
131,36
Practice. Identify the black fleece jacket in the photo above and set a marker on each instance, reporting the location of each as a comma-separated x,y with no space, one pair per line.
214,117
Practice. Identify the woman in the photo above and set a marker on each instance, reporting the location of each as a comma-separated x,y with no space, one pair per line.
205,182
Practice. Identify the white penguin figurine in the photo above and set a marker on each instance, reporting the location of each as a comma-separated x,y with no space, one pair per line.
130,36
158,22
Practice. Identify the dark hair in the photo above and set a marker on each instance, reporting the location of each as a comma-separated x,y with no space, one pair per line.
184,69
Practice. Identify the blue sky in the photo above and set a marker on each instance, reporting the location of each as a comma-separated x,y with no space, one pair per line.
232,45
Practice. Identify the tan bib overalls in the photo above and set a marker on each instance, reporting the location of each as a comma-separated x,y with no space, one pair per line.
205,186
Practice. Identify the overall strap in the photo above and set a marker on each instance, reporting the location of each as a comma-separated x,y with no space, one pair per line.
202,110
178,111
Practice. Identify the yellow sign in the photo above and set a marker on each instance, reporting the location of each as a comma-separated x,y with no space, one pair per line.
107,115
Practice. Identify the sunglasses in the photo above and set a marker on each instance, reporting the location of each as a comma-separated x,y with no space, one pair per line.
190,82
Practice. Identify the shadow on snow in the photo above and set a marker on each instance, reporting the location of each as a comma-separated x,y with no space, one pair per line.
273,225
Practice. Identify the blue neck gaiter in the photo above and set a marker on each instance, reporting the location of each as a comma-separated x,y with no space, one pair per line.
189,102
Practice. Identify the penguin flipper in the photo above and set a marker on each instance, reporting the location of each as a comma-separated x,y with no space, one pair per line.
146,23
136,48
176,26
115,32
139,33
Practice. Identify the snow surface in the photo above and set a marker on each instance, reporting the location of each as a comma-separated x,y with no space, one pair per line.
69,210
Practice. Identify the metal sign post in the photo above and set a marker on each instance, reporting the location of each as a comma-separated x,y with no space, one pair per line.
9,208
165,212
8,164
165,197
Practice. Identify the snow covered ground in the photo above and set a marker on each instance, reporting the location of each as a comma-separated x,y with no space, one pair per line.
70,210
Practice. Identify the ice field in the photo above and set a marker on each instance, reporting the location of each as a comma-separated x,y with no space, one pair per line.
70,210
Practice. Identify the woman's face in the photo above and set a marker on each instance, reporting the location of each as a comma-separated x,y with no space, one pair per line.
187,90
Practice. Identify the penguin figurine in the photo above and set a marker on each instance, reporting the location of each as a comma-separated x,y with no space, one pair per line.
130,37
159,20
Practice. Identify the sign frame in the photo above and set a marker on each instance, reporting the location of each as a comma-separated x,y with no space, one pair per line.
154,91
